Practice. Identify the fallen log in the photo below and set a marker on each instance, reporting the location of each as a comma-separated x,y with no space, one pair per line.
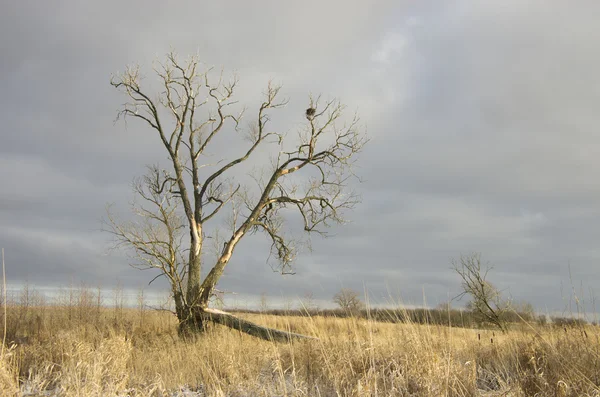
250,328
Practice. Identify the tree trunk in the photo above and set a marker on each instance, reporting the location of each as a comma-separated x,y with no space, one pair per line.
190,325
248,327
193,281
209,283
179,304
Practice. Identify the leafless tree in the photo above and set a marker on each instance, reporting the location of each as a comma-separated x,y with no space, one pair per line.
157,233
263,303
348,300
309,174
308,303
486,301
524,309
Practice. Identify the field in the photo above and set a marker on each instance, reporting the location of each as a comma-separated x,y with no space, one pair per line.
86,350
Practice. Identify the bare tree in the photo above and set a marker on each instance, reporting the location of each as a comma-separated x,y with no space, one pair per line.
263,303
308,175
524,309
486,301
308,303
157,235
348,300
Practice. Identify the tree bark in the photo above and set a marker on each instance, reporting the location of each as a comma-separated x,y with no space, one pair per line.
248,327
193,283
190,325
179,305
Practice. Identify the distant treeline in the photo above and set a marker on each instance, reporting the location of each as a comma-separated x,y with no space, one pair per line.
83,300
452,317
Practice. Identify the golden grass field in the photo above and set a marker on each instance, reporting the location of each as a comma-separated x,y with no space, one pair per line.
96,351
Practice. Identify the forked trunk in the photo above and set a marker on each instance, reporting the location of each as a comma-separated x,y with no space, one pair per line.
195,313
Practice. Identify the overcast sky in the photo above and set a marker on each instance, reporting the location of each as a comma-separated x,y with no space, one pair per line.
483,119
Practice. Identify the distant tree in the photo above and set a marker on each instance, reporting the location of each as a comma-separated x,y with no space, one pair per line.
444,306
263,303
308,302
288,304
348,300
524,309
542,319
568,322
180,206
486,304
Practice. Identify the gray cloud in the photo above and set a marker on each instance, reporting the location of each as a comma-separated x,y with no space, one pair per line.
482,119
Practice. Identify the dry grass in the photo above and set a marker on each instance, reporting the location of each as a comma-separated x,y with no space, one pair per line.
109,352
